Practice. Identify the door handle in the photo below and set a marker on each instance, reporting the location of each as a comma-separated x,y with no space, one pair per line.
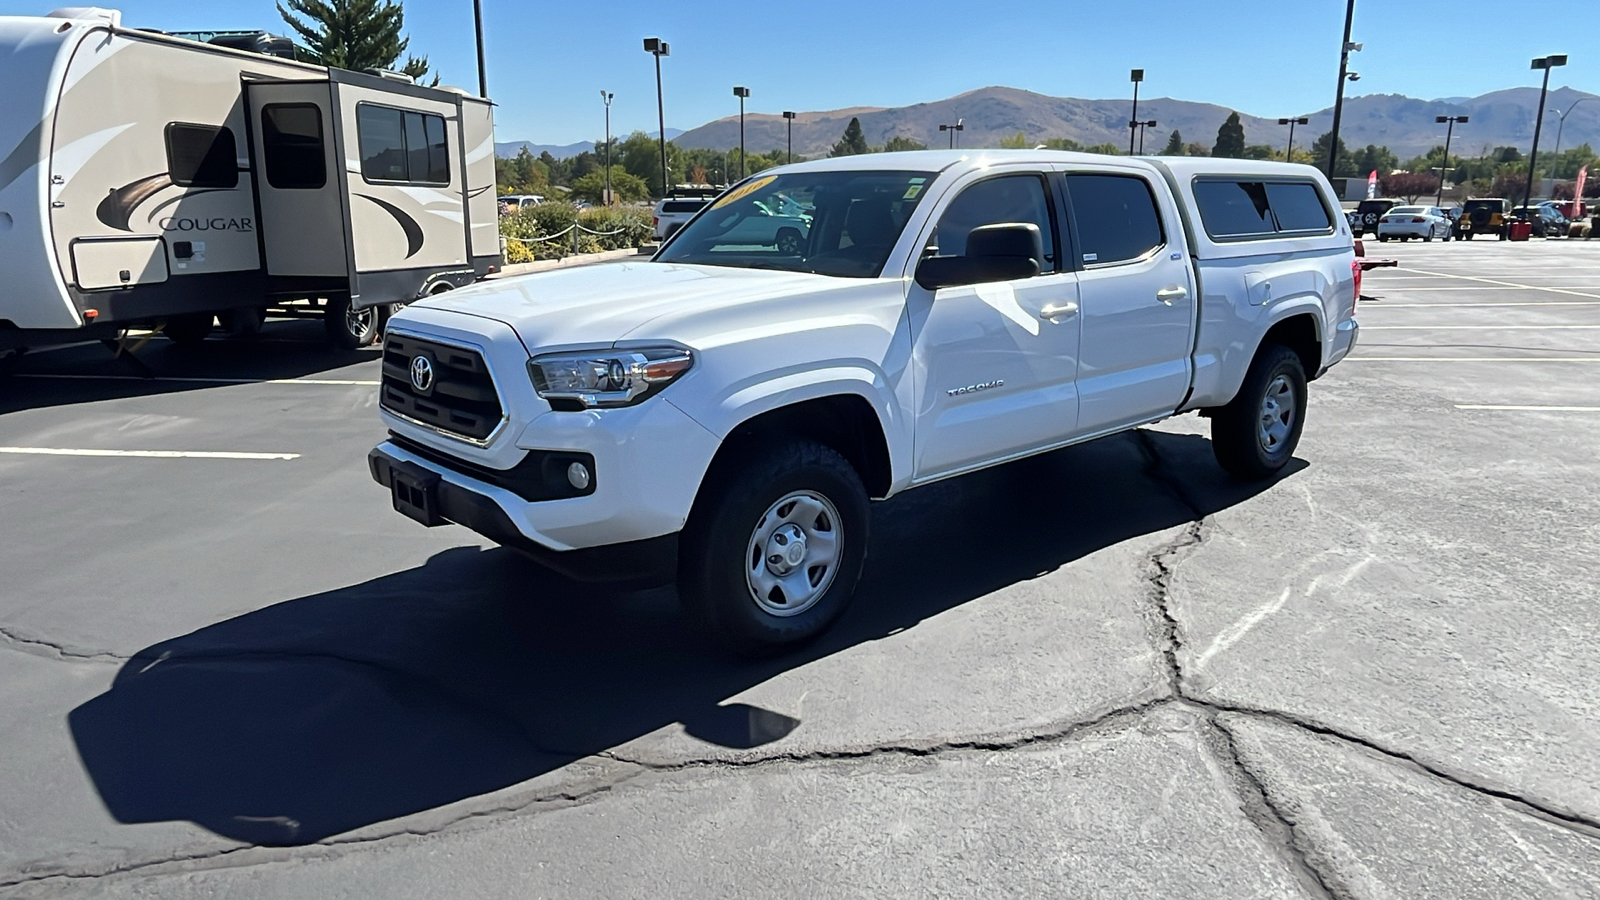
1167,295
1053,311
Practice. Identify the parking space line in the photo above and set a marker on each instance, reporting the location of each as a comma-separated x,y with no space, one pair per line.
148,454
322,381
1527,408
1510,284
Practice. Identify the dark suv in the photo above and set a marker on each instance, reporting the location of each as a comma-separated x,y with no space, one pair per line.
1367,214
1483,216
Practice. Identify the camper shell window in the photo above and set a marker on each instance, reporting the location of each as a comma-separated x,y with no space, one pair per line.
402,146
202,156
1241,209
291,135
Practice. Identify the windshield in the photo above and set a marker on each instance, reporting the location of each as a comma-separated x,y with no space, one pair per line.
827,223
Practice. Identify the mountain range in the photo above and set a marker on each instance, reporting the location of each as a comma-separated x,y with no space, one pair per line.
1404,124
561,151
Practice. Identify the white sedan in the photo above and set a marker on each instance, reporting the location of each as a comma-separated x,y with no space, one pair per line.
1405,222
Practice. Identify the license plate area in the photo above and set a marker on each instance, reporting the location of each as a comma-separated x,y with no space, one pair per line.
416,493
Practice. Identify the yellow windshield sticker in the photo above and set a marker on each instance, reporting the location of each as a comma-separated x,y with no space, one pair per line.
912,192
743,192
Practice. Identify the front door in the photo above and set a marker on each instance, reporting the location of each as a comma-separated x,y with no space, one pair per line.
996,362
293,154
1137,300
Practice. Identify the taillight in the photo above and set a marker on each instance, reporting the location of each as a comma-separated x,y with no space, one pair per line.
1418,219
655,220
1355,272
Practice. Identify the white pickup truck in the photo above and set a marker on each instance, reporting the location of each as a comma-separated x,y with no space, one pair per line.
723,414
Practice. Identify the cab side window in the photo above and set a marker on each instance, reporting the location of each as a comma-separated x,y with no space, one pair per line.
1116,217
1003,199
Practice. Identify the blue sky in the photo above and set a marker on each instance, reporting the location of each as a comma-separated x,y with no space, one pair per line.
548,61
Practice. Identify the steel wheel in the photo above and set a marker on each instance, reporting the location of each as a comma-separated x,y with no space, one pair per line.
1277,414
794,553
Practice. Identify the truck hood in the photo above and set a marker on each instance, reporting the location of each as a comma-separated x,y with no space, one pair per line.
601,304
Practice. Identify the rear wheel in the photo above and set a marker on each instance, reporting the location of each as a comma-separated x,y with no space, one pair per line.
774,547
188,329
349,328
1255,435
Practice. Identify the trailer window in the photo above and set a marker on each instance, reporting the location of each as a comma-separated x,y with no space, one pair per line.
291,138
403,146
202,156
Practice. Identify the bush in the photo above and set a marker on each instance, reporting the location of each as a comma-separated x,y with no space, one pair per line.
529,231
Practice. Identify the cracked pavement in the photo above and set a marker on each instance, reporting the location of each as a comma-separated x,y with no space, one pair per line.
1107,671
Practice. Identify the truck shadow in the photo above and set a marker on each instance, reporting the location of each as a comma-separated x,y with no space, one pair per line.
85,373
478,670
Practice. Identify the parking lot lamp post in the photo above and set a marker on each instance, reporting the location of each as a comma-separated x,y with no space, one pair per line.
1142,127
789,118
953,129
477,25
1445,166
1344,73
1136,76
1288,153
1563,123
741,93
605,97
658,48
1546,63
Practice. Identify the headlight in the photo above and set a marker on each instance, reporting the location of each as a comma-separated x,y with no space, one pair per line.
605,378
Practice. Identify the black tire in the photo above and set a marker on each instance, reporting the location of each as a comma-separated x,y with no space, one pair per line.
188,329
244,322
1383,239
717,567
1236,429
350,329
1470,234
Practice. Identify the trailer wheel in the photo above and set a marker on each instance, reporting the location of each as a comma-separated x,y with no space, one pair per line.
244,322
350,328
188,329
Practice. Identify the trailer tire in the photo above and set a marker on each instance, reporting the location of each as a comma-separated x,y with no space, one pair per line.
243,322
349,328
188,329
1255,435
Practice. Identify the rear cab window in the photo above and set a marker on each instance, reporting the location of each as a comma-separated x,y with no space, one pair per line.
1243,209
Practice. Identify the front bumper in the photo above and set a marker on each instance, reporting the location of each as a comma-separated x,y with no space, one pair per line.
465,501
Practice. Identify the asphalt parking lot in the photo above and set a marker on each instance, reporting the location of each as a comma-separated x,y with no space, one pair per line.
233,671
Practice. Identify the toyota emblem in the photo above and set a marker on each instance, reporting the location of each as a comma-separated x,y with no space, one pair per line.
422,373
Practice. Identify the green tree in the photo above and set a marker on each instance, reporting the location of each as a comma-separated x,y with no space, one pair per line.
353,34
521,174
898,143
1107,147
1373,158
853,142
625,187
1259,151
1018,141
1346,167
1058,143
1174,145
640,154
1230,138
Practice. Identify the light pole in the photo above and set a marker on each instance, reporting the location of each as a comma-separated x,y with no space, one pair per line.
1563,123
789,118
1142,127
1288,153
1344,72
1445,165
958,126
741,93
1136,76
1546,63
658,48
605,97
477,25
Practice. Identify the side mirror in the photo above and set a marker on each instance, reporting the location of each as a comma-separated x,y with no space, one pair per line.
1002,252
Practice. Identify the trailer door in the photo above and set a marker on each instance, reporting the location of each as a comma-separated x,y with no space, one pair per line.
294,155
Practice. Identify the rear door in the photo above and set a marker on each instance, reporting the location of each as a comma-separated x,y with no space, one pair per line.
302,208
1137,298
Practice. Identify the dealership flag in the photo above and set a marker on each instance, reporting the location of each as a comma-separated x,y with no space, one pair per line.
1372,185
1577,189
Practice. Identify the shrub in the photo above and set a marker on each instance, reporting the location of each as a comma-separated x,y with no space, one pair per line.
529,231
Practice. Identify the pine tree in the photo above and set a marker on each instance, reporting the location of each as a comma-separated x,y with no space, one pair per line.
1230,138
1319,157
853,142
1174,145
353,34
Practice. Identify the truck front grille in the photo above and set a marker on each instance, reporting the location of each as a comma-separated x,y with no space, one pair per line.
456,395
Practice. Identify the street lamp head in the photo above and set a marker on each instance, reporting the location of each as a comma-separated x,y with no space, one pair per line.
787,114
1441,119
1461,120
1149,124
1136,76
657,46
1354,76
1352,47
605,97
1550,62
741,92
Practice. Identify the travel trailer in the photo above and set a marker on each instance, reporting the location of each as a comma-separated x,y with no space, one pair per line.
152,181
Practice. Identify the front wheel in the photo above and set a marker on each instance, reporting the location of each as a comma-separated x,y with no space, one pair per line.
774,548
349,328
1254,436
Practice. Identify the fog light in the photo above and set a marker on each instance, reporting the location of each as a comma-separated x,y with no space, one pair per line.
578,476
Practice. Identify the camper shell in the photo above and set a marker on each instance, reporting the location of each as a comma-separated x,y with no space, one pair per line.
151,180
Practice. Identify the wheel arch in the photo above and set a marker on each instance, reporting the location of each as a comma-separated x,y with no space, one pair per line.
846,421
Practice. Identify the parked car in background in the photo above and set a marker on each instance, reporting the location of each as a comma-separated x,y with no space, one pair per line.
1546,220
673,213
513,202
1406,222
1482,215
1368,212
